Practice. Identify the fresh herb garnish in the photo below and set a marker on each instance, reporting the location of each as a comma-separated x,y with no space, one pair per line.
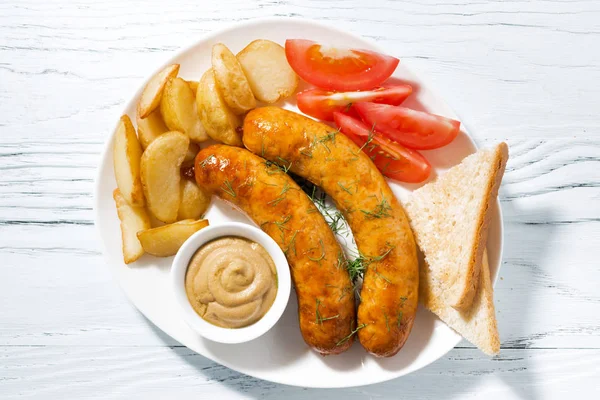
291,243
381,210
344,340
381,275
387,324
319,318
273,168
344,188
369,138
282,166
281,224
322,256
306,153
227,188
357,267
345,291
284,190
206,160
399,318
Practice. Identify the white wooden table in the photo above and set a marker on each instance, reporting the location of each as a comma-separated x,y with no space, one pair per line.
520,71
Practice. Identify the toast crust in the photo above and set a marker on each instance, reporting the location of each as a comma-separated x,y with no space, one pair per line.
464,297
478,324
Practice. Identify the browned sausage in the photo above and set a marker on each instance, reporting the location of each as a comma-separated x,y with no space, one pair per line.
281,209
383,236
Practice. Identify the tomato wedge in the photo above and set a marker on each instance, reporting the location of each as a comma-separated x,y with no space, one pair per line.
341,69
392,159
322,103
415,129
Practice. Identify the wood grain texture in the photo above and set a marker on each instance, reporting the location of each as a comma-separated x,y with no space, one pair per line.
524,72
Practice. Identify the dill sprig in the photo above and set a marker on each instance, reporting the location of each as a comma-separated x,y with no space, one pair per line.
399,318
291,243
381,210
227,188
344,188
345,339
282,166
284,190
203,163
273,167
322,140
369,138
357,267
345,291
381,275
281,224
387,322
319,318
306,153
276,201
322,256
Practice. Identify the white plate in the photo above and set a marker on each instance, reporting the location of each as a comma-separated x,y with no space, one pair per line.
281,355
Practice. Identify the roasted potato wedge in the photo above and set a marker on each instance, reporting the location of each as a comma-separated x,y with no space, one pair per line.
166,240
127,153
150,128
220,122
270,76
160,172
231,81
133,219
153,91
154,222
194,200
178,108
193,86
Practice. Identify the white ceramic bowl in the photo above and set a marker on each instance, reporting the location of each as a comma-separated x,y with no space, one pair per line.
206,329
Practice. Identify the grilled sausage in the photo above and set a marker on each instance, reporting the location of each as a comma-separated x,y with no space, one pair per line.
279,206
381,230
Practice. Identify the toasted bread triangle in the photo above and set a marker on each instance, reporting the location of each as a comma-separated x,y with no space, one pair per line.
450,218
478,324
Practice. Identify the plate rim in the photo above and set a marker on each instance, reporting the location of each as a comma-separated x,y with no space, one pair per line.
244,24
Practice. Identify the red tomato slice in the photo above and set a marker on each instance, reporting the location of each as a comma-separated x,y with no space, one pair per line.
415,129
333,68
392,159
321,103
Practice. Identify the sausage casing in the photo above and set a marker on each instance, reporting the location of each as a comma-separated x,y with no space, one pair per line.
319,153
280,208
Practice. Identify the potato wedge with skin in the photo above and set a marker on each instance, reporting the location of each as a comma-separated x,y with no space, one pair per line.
160,172
193,86
127,153
220,122
154,222
166,240
270,76
231,80
150,128
133,220
152,94
178,108
194,200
